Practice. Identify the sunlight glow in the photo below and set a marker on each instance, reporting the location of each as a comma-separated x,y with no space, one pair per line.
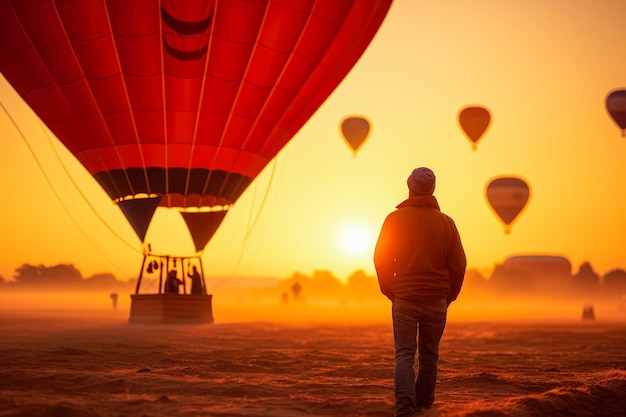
354,239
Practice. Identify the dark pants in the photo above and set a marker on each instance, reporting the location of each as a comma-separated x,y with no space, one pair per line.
416,324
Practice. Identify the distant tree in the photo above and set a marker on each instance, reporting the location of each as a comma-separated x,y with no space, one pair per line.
28,274
586,281
108,282
325,284
614,283
363,287
474,281
62,275
322,285
66,277
105,279
510,280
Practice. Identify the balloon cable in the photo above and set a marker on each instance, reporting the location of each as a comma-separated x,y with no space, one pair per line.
93,209
56,194
251,225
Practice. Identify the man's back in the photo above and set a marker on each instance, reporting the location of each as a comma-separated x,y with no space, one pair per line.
419,251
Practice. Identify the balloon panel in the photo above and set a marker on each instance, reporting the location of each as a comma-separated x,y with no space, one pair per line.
139,212
173,99
507,196
202,226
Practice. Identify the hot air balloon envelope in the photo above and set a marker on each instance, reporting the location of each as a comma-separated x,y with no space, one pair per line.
180,103
355,131
616,106
507,197
474,121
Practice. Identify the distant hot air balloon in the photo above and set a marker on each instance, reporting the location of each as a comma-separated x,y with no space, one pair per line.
616,106
355,130
507,197
180,104
474,121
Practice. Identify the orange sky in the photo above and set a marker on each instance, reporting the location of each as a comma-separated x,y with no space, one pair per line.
542,68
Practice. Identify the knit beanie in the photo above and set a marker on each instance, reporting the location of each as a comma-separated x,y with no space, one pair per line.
421,181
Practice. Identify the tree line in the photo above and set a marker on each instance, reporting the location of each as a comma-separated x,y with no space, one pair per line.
359,286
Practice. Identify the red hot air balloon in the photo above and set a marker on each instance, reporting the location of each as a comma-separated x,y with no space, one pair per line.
507,197
180,104
616,106
474,121
355,130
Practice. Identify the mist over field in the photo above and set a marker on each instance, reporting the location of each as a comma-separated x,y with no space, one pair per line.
520,288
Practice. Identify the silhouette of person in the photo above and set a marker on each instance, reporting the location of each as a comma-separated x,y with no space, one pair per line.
113,296
172,283
420,263
196,281
296,289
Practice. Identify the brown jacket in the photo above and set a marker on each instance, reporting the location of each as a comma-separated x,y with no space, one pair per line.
419,255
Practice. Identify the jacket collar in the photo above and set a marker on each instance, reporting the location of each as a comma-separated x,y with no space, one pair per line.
420,201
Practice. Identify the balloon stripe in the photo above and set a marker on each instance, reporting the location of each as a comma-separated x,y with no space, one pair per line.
185,27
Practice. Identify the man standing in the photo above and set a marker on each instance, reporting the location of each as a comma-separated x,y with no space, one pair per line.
196,281
420,263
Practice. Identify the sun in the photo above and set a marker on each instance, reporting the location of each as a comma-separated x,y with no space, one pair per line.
355,239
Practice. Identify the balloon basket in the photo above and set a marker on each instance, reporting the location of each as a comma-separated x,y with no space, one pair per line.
171,308
163,296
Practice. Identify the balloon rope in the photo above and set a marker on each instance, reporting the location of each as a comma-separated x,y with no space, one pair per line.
251,225
85,199
261,206
56,194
